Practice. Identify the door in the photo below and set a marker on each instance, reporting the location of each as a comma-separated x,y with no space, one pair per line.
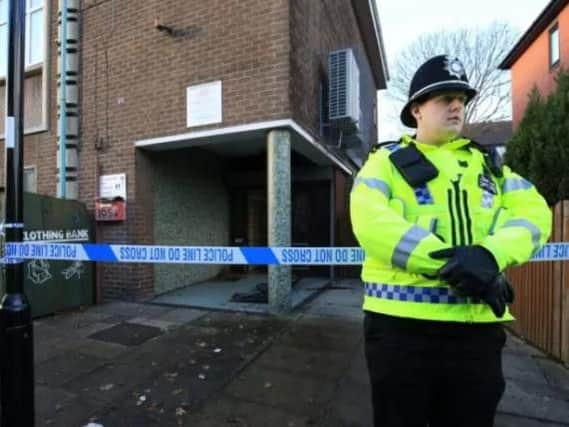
311,220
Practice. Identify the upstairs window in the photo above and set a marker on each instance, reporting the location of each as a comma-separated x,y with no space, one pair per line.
554,46
30,179
35,33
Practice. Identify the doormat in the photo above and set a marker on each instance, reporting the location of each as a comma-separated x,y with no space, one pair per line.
128,334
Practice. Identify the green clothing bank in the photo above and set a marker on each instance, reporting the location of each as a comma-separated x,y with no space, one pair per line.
53,286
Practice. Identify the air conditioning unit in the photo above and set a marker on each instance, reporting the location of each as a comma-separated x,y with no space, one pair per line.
344,91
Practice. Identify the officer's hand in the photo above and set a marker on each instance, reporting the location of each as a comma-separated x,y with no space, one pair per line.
470,269
498,294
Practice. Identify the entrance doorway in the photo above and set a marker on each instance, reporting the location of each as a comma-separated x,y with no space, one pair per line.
311,220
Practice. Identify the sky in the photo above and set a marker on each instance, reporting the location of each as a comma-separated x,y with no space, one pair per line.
403,20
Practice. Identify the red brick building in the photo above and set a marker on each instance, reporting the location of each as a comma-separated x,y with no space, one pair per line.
539,54
190,101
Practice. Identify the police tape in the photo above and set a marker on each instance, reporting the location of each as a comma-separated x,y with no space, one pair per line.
16,252
244,255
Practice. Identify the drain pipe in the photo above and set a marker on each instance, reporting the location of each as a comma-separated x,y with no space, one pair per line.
68,99
63,99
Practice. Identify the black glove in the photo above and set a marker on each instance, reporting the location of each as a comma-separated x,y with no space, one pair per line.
498,294
473,272
470,269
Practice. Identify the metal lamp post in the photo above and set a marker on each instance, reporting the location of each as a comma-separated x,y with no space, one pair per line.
16,328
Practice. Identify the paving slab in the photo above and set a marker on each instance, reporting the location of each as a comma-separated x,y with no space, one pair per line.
303,362
46,348
129,309
505,420
113,381
66,367
182,316
518,346
236,412
556,374
522,367
50,400
297,394
71,413
319,339
526,402
103,350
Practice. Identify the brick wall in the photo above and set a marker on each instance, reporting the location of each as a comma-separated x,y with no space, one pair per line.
133,87
133,79
532,68
317,28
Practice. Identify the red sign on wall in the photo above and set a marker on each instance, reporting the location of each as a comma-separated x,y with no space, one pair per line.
110,210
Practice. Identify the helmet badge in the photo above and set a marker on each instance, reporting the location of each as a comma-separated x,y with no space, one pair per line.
454,67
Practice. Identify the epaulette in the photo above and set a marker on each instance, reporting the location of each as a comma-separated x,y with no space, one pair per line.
390,145
492,158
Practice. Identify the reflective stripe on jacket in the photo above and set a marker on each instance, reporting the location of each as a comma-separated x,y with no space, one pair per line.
398,226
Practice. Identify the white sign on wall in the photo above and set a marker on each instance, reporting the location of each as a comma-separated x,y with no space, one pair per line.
204,104
111,186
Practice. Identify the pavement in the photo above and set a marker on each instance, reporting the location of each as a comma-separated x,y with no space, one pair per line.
129,364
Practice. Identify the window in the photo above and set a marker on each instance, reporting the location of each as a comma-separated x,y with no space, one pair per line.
554,46
35,30
30,179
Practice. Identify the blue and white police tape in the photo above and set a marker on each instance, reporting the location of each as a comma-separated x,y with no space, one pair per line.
245,255
16,252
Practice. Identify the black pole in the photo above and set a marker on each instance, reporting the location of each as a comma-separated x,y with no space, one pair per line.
16,328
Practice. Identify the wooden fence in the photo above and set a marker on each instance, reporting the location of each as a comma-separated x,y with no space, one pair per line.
542,296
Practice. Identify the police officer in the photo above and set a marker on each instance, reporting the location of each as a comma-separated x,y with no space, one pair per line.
440,219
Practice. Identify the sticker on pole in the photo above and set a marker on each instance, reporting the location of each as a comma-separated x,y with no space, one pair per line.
10,132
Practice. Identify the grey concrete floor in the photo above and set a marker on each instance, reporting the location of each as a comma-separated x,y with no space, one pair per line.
126,364
216,293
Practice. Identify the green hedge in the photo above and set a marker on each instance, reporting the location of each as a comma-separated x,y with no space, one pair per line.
539,150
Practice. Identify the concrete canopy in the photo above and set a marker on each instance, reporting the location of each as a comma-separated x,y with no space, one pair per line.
247,140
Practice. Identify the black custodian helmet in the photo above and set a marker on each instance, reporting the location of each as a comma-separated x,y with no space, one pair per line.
437,74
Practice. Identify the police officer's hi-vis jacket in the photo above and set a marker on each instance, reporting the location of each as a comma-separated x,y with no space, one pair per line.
465,204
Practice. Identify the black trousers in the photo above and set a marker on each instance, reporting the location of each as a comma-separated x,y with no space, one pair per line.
435,374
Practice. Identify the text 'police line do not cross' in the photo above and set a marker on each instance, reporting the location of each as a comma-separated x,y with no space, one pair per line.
245,255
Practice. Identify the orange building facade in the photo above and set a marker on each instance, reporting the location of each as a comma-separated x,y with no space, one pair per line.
531,62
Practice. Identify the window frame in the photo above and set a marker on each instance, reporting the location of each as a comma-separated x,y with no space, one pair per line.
34,170
29,11
554,30
28,65
42,68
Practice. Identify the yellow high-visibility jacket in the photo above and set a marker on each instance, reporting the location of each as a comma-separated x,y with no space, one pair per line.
398,226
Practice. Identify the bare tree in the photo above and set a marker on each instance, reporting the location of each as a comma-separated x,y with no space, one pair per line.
480,50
